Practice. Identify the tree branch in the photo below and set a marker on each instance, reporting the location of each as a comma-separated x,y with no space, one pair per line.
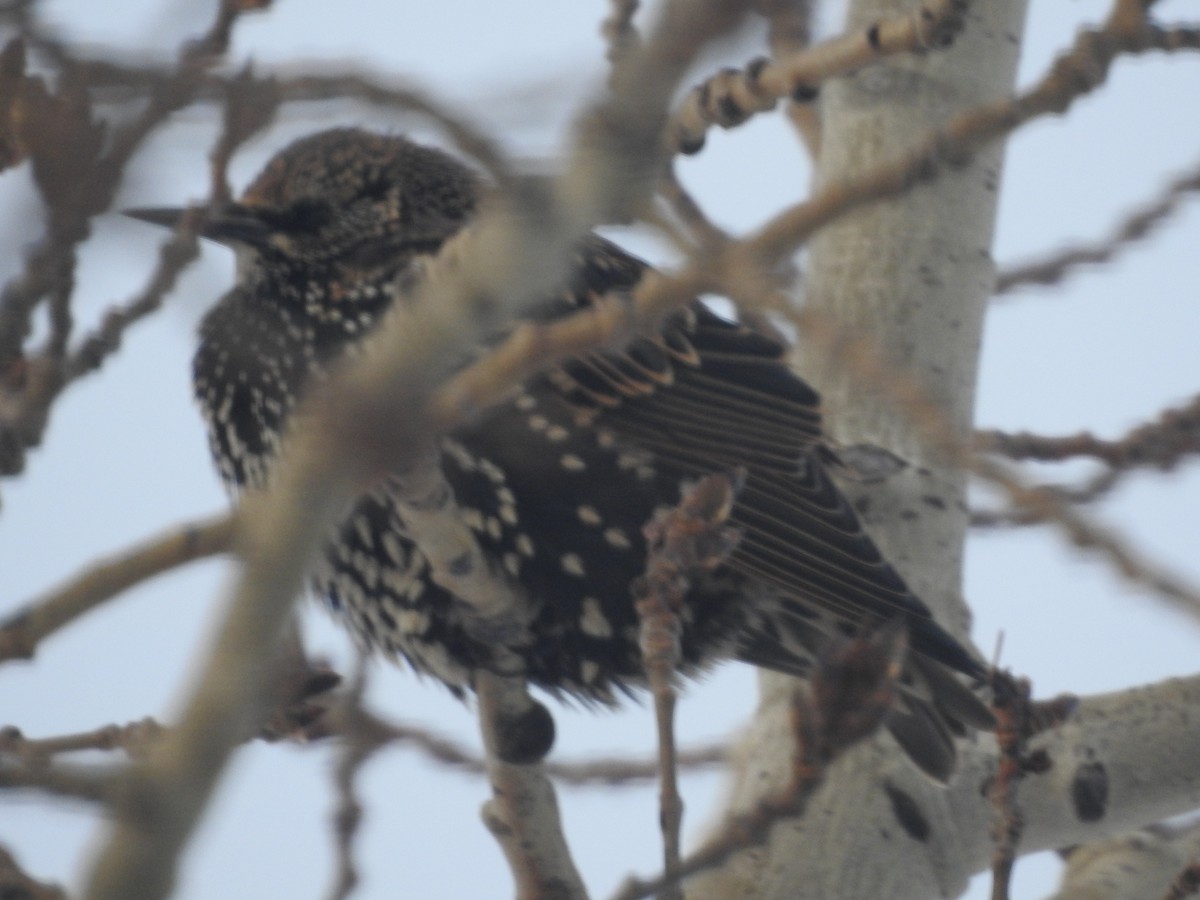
732,96
22,632
1134,228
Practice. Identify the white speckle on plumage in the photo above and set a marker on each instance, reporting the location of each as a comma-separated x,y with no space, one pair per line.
593,622
399,582
494,473
393,548
572,564
525,545
589,671
616,537
572,463
459,454
538,423
588,515
525,402
368,570
362,527
557,434
412,621
512,564
627,461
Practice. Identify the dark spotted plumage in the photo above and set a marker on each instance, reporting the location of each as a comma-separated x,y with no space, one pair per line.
557,482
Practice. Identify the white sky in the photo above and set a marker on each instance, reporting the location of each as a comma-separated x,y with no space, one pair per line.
125,454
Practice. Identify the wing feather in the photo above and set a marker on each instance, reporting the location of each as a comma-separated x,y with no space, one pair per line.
707,394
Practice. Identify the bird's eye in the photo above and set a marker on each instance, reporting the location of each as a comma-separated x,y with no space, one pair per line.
374,189
302,217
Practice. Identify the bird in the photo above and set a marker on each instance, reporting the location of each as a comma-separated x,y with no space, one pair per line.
557,482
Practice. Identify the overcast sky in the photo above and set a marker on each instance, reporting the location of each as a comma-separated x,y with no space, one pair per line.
125,455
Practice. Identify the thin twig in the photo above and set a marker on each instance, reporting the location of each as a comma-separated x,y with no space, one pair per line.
701,229
789,32
96,784
360,742
620,34
133,738
16,884
1074,74
1169,586
173,257
1135,227
77,163
23,631
848,697
733,95
1074,495
1018,721
303,720
693,538
1162,442
522,813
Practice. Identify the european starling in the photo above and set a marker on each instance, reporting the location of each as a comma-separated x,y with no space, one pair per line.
558,482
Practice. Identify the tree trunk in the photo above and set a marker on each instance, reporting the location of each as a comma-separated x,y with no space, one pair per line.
912,276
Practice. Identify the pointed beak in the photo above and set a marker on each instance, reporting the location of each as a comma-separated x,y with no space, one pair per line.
231,224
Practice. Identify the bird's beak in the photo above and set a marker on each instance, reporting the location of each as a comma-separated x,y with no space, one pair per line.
230,224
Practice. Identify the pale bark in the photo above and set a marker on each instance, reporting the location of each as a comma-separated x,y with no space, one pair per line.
1142,864
913,275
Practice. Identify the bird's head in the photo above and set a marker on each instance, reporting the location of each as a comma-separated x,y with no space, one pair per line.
342,202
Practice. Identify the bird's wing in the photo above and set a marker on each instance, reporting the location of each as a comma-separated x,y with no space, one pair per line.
708,395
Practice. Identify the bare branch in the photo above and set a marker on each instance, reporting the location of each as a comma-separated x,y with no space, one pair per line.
1018,720
133,738
618,772
732,96
1162,443
851,691
1017,516
360,742
18,885
1168,586
1074,75
92,783
790,32
1156,861
21,633
523,812
250,105
619,31
173,257
77,161
1135,227
691,539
